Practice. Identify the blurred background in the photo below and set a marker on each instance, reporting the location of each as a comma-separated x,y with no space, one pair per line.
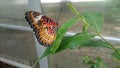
18,44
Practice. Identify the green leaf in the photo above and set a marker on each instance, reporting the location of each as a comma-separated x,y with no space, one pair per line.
61,32
94,19
75,41
95,63
70,42
93,66
46,53
99,63
87,60
95,43
88,42
116,55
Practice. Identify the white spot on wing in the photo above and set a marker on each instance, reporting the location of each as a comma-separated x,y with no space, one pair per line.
38,18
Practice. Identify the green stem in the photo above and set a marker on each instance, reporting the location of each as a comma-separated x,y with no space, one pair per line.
36,62
74,11
78,15
100,35
85,23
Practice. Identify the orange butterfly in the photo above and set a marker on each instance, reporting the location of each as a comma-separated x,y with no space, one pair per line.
44,27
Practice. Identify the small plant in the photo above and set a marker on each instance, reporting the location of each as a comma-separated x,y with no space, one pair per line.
90,20
94,63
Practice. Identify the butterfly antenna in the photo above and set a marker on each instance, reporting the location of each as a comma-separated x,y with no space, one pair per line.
59,14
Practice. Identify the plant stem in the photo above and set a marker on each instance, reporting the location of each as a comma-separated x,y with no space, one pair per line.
85,23
100,35
74,11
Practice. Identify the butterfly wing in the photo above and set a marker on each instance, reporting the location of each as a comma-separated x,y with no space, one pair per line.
44,27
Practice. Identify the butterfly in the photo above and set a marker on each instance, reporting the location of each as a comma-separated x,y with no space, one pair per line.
45,28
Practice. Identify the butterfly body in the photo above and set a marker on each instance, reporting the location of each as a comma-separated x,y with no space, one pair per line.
44,27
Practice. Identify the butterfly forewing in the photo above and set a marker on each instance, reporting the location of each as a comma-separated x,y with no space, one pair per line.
44,27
